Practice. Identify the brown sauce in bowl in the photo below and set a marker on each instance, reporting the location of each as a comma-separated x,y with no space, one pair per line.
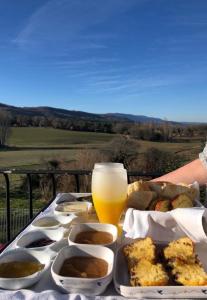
17,269
84,267
94,237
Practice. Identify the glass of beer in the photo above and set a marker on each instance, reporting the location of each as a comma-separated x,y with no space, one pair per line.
109,192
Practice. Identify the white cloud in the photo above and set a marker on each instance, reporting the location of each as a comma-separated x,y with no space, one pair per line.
63,21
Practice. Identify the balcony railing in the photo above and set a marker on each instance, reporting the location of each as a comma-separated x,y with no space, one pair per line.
6,173
52,175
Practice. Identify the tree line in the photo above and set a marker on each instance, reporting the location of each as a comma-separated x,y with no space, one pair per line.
159,132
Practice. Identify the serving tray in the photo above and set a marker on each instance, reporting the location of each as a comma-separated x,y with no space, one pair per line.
122,286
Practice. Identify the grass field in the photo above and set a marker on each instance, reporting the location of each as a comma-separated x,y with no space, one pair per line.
49,137
34,146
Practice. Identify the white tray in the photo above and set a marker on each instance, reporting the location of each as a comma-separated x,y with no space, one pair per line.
122,286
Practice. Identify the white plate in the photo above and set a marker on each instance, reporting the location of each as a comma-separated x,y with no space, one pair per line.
86,286
121,280
23,255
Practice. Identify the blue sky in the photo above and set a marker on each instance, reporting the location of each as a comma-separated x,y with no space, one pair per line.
145,57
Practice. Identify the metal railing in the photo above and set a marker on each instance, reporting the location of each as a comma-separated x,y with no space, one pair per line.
53,176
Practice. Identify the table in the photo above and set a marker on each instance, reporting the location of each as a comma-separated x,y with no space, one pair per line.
46,288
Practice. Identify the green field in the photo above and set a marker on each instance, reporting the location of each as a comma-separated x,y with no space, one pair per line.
33,147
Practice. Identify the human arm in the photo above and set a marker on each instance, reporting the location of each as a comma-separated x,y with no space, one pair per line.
196,170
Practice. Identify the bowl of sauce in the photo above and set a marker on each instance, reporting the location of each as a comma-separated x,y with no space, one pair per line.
83,269
41,239
20,268
93,234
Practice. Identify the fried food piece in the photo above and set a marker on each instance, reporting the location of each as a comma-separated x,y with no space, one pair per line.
182,201
171,191
163,205
188,274
182,249
146,273
140,249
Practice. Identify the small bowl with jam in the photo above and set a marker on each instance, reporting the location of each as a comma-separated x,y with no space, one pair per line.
93,234
83,269
41,239
20,268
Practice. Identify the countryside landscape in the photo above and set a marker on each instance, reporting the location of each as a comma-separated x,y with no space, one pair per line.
32,139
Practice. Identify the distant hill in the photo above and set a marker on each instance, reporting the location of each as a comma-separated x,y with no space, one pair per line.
45,111
135,118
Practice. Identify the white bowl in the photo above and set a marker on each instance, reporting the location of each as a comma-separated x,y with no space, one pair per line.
64,197
23,255
76,229
70,197
86,286
54,234
59,209
62,220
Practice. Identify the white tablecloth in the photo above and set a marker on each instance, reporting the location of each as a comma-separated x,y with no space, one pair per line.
46,288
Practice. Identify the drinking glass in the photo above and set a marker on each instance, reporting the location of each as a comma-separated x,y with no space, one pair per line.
109,192
108,165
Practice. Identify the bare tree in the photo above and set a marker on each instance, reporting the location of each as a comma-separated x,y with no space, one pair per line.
5,120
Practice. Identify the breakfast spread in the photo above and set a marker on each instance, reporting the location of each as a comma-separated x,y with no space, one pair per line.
94,237
160,196
84,267
145,263
16,269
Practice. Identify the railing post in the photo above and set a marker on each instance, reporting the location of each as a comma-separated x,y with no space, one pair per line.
30,195
8,210
77,183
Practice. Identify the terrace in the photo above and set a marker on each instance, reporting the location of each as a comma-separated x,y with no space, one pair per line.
13,221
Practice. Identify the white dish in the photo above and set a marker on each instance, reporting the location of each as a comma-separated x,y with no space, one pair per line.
76,229
70,197
23,255
54,234
86,286
64,208
122,286
62,220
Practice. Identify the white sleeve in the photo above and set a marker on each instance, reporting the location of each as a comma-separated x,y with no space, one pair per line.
203,156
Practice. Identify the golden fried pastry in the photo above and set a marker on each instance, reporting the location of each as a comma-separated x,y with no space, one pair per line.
171,191
182,249
182,201
140,249
146,273
188,273
163,205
